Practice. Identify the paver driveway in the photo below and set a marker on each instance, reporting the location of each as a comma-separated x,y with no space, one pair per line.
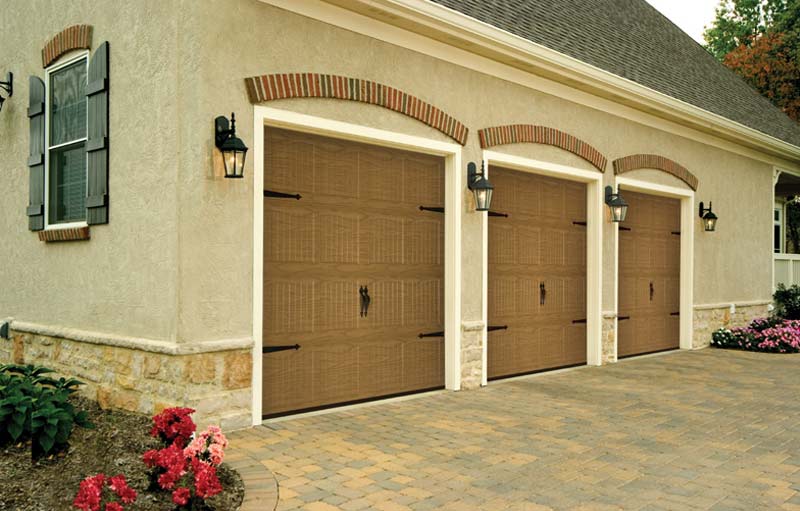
690,430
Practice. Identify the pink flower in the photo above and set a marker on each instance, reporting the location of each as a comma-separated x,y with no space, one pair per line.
113,506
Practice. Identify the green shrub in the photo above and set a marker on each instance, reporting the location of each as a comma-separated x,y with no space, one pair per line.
36,407
787,301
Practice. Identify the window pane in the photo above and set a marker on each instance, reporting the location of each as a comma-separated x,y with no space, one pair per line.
68,104
776,240
67,184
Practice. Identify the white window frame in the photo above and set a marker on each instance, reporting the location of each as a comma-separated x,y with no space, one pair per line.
82,55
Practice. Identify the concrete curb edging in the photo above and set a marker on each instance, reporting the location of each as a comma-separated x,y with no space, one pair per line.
260,485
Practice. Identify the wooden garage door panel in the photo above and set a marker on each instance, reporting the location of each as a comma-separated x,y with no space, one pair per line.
649,275
537,273
352,228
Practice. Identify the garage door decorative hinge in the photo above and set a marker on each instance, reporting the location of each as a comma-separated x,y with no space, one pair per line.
624,228
435,209
623,318
273,349
579,223
497,213
431,334
281,195
674,313
578,321
676,233
496,327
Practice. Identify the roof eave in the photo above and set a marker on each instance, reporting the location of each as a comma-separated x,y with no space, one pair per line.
464,32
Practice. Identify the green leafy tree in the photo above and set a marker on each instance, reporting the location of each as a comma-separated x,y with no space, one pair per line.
739,22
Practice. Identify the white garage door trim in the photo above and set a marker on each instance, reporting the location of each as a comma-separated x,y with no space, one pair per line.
272,117
594,243
687,253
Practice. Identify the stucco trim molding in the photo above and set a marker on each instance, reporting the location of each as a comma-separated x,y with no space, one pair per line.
753,303
134,343
654,161
271,87
521,133
76,37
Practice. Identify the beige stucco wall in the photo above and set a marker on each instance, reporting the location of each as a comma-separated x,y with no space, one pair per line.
176,260
123,281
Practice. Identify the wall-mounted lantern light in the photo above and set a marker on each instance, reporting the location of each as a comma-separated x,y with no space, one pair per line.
616,204
708,217
481,188
8,87
233,149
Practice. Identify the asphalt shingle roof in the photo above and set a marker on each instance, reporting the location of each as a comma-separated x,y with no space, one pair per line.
633,40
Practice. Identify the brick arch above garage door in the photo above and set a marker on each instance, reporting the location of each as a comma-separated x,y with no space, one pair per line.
521,133
272,87
654,161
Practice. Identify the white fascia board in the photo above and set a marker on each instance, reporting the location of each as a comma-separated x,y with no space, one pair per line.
462,31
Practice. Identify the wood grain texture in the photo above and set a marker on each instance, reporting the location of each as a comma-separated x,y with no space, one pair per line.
537,273
355,225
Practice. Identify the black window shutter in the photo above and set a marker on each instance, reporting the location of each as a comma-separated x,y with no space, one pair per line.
36,156
97,143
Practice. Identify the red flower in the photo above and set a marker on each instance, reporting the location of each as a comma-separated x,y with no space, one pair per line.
181,496
113,506
90,493
206,482
174,425
125,493
170,461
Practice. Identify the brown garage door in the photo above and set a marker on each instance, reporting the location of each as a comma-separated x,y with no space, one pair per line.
353,272
537,273
649,275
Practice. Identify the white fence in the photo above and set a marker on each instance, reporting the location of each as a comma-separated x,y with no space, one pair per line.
787,269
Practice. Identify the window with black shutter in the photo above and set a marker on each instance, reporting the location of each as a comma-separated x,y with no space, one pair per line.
68,161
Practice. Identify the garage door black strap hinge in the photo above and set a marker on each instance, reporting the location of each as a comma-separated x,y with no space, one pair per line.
435,209
674,313
577,321
431,334
273,349
579,223
623,318
281,195
496,327
624,228
676,233
497,213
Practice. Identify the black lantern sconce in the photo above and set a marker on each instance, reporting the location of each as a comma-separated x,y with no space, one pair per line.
481,188
233,149
8,87
708,217
616,204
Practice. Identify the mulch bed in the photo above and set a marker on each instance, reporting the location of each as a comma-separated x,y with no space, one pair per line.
115,446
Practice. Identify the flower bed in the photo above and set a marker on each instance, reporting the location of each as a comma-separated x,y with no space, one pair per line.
115,446
771,335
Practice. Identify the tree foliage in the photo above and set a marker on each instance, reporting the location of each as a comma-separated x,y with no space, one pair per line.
739,22
760,41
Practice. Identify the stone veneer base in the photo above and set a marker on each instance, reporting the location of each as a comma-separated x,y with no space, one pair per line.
709,319
216,384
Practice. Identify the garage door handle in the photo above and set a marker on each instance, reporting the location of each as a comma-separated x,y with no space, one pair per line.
281,195
496,327
365,300
652,291
431,334
273,349
542,293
